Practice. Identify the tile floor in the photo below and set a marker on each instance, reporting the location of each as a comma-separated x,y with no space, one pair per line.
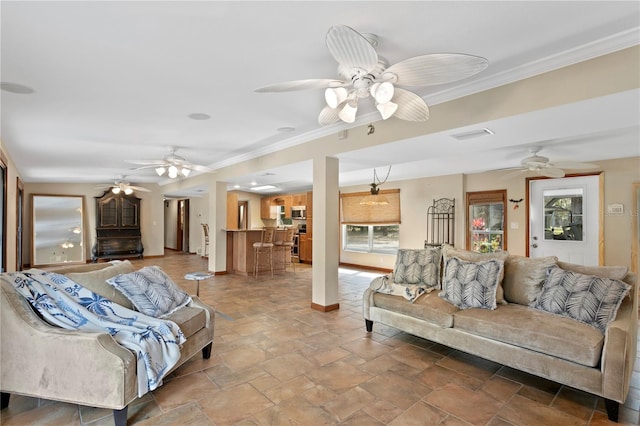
278,362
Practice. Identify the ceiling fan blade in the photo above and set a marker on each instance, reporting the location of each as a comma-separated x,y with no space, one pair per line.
514,174
290,86
437,68
350,48
329,115
147,162
199,168
551,172
411,107
139,188
574,165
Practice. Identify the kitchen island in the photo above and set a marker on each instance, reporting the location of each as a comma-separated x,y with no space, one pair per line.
240,253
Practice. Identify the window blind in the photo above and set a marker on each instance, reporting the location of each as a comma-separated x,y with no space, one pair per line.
354,213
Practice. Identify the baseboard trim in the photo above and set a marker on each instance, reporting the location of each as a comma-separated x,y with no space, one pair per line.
322,308
369,268
220,273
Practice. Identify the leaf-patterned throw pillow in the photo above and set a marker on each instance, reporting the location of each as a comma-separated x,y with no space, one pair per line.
418,267
586,298
471,284
151,291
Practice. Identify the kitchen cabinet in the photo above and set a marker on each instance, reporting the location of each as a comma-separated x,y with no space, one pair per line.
309,204
117,227
299,199
305,248
265,209
232,210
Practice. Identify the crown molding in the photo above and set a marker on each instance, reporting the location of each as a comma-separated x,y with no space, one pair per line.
591,50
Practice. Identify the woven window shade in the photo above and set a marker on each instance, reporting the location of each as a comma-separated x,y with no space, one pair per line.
352,212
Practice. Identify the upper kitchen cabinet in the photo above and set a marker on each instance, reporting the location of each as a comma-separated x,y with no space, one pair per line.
265,209
232,210
309,204
299,199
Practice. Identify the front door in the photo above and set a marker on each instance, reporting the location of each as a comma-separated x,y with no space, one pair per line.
564,219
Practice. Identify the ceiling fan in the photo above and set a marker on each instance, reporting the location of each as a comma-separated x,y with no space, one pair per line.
542,166
172,165
124,187
364,73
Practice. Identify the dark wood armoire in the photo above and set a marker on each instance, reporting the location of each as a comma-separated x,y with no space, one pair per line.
117,227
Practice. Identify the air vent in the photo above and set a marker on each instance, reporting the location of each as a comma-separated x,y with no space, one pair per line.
472,134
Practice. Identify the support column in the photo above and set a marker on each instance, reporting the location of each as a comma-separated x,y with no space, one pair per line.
217,233
326,244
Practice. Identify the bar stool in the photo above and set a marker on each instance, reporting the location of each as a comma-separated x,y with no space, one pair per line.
205,228
264,246
283,245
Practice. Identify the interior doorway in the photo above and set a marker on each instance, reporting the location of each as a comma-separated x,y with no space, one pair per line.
564,219
182,231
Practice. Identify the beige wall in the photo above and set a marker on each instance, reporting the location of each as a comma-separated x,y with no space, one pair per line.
151,214
416,195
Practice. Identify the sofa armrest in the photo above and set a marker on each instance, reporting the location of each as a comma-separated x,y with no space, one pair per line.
619,352
367,298
40,360
208,310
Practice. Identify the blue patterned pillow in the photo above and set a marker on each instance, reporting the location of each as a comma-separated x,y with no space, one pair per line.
586,298
151,291
471,284
419,267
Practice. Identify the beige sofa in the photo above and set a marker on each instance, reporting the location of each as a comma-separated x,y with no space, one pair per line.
513,334
86,368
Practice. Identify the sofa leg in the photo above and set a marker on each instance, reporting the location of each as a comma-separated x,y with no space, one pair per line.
4,400
206,351
369,325
613,407
120,416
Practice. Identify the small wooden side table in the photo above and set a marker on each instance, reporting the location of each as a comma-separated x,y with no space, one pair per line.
197,277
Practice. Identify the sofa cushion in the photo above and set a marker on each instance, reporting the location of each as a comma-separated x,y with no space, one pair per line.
96,281
612,272
535,330
151,291
524,276
418,266
428,307
586,298
189,319
471,284
449,251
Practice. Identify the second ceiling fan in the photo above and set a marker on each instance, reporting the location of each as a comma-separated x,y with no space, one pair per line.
365,74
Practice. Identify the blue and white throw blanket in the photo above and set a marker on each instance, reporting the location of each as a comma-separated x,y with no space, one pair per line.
67,304
411,292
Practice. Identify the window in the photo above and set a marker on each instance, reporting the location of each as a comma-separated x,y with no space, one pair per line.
370,229
371,238
486,231
563,214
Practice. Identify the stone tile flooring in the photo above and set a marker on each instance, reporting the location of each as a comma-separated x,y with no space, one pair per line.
278,362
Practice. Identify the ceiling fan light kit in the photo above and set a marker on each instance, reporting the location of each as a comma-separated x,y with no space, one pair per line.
172,165
366,74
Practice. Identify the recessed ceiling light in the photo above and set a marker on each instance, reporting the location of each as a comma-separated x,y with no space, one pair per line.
236,186
286,129
262,188
16,88
472,134
199,116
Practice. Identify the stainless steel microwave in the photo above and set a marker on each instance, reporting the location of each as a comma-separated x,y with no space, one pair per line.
299,212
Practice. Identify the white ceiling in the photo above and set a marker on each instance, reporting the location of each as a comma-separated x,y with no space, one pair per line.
116,81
